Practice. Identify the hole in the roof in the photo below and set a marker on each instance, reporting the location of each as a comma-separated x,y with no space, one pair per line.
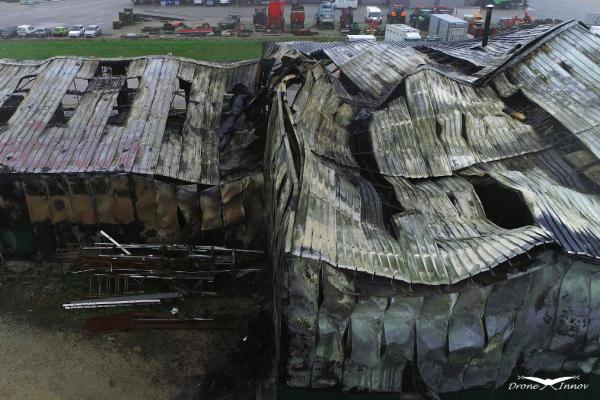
125,98
179,108
112,68
503,206
9,107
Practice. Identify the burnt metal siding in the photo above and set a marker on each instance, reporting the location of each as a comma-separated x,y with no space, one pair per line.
336,219
132,207
142,145
563,77
542,320
444,226
322,118
435,127
408,209
375,68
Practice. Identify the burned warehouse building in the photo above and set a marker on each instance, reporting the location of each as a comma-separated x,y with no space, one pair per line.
429,212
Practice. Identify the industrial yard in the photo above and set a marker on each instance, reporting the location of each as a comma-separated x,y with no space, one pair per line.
347,200
86,12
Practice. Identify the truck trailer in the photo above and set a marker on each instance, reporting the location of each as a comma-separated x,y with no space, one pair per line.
401,33
447,28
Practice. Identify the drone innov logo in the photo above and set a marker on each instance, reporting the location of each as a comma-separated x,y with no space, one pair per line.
541,384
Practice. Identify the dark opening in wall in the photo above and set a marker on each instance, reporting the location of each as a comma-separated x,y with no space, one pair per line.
503,206
9,107
179,107
126,97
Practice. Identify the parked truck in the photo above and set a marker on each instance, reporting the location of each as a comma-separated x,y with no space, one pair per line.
275,20
325,16
297,17
373,15
401,33
346,20
344,4
397,14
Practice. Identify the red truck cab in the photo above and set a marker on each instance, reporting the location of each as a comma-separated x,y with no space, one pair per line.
275,19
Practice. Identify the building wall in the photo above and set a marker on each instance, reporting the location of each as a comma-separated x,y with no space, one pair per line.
61,209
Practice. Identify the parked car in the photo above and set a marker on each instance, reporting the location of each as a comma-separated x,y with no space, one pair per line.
230,22
9,32
41,33
76,31
224,2
25,30
93,31
61,31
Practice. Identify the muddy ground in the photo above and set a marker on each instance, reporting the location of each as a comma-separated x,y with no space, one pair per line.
44,355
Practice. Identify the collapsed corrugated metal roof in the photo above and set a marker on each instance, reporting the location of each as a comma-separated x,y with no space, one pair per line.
150,148
151,115
562,77
448,170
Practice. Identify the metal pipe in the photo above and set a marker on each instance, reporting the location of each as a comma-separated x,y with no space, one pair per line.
488,22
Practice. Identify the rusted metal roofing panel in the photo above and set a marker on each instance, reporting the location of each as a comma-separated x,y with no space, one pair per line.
144,141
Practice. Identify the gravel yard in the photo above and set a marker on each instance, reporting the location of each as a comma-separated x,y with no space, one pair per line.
45,356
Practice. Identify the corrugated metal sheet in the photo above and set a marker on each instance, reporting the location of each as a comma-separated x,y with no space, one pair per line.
332,224
442,126
571,217
435,127
563,76
89,142
11,74
362,335
322,118
375,68
409,192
